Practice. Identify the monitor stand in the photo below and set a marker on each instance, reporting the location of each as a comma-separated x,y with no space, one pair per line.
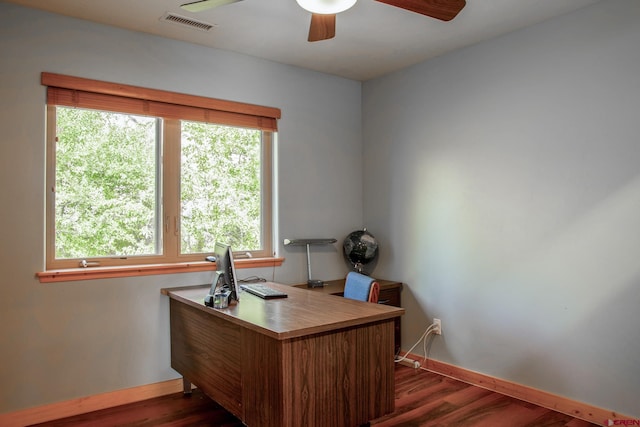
218,278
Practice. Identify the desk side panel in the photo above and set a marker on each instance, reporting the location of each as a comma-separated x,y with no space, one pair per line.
345,378
376,369
205,350
262,380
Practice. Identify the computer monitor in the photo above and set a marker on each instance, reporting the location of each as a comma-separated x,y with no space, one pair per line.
225,264
225,277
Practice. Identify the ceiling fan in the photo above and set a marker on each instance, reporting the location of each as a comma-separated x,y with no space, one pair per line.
323,12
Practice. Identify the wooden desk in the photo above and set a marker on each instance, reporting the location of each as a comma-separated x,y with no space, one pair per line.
389,295
307,360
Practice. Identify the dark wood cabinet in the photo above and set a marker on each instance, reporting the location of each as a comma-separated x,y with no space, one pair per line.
390,291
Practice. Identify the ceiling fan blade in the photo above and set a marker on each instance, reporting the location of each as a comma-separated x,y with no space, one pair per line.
199,6
322,27
444,10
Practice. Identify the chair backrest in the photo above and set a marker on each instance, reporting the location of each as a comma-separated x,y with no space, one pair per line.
361,287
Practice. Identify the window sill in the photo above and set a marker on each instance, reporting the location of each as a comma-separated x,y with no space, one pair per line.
90,273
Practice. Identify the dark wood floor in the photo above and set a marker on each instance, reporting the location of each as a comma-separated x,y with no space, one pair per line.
422,399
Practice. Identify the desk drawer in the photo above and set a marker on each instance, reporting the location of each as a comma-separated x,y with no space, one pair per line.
389,297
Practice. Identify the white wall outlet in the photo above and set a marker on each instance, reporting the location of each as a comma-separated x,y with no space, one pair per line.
438,326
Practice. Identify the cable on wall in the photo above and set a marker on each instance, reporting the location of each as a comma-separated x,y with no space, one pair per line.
416,364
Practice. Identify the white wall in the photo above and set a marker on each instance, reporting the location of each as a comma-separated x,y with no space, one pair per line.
503,182
61,341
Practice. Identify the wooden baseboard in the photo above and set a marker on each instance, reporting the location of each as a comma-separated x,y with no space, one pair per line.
83,405
538,397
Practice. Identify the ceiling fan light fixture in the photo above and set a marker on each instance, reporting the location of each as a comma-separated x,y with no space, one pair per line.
326,7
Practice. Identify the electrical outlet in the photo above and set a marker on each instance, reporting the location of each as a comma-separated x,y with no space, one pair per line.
438,328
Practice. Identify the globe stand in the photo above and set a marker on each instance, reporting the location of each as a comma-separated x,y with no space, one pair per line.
311,283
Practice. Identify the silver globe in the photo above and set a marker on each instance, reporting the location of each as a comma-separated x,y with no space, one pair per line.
360,251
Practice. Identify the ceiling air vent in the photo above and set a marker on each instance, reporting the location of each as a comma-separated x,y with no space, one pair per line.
188,22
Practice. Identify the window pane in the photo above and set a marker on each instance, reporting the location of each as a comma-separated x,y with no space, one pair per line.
105,185
220,187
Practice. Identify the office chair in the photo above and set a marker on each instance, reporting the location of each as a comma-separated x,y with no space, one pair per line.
361,287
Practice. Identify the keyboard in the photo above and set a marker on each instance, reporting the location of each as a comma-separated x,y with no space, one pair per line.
262,291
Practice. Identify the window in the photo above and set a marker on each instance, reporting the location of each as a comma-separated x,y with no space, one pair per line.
141,176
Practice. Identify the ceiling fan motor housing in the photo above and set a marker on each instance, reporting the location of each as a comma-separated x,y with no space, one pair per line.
326,7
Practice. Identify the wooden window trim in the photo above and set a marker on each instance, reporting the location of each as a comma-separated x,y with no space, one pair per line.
91,273
71,91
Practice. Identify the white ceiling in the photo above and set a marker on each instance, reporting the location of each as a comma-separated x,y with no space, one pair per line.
372,38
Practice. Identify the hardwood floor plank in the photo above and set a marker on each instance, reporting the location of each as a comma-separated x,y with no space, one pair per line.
556,419
470,414
423,399
465,395
174,410
501,412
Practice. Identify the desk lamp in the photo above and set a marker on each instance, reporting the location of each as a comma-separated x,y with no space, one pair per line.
308,242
